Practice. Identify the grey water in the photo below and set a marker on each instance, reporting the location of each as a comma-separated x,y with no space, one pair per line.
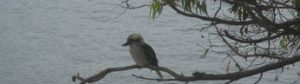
48,41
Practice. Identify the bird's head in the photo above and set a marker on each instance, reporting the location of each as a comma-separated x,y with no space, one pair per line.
134,38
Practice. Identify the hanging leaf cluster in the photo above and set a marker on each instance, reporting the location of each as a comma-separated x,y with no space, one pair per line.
189,6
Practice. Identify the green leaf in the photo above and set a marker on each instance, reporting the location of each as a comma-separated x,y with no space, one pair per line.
152,10
193,2
204,7
245,15
198,6
183,3
297,3
155,8
234,9
239,13
283,42
186,5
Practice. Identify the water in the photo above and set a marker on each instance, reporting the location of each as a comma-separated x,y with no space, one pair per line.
48,41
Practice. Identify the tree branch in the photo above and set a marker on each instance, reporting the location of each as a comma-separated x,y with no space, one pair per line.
102,74
196,75
252,40
246,41
246,73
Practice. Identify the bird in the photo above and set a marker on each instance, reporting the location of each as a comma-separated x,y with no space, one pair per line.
142,53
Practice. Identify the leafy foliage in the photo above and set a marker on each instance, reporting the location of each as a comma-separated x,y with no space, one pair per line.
156,8
239,11
190,6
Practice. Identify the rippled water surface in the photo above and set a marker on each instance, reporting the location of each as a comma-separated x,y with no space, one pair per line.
48,41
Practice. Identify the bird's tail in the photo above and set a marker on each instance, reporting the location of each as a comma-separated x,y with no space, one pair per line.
158,73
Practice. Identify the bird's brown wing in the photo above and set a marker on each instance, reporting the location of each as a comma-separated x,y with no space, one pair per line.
151,57
150,54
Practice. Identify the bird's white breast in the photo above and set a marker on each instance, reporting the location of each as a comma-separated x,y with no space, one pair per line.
138,55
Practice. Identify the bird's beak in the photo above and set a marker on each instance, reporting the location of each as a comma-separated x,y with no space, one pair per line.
125,44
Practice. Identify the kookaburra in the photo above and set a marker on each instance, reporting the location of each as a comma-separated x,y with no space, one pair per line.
142,53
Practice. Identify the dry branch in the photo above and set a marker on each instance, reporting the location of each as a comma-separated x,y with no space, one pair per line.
196,75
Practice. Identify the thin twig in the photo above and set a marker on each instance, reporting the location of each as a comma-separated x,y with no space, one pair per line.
261,75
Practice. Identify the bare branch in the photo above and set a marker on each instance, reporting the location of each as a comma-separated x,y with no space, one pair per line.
102,74
196,75
128,6
252,40
246,73
248,55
